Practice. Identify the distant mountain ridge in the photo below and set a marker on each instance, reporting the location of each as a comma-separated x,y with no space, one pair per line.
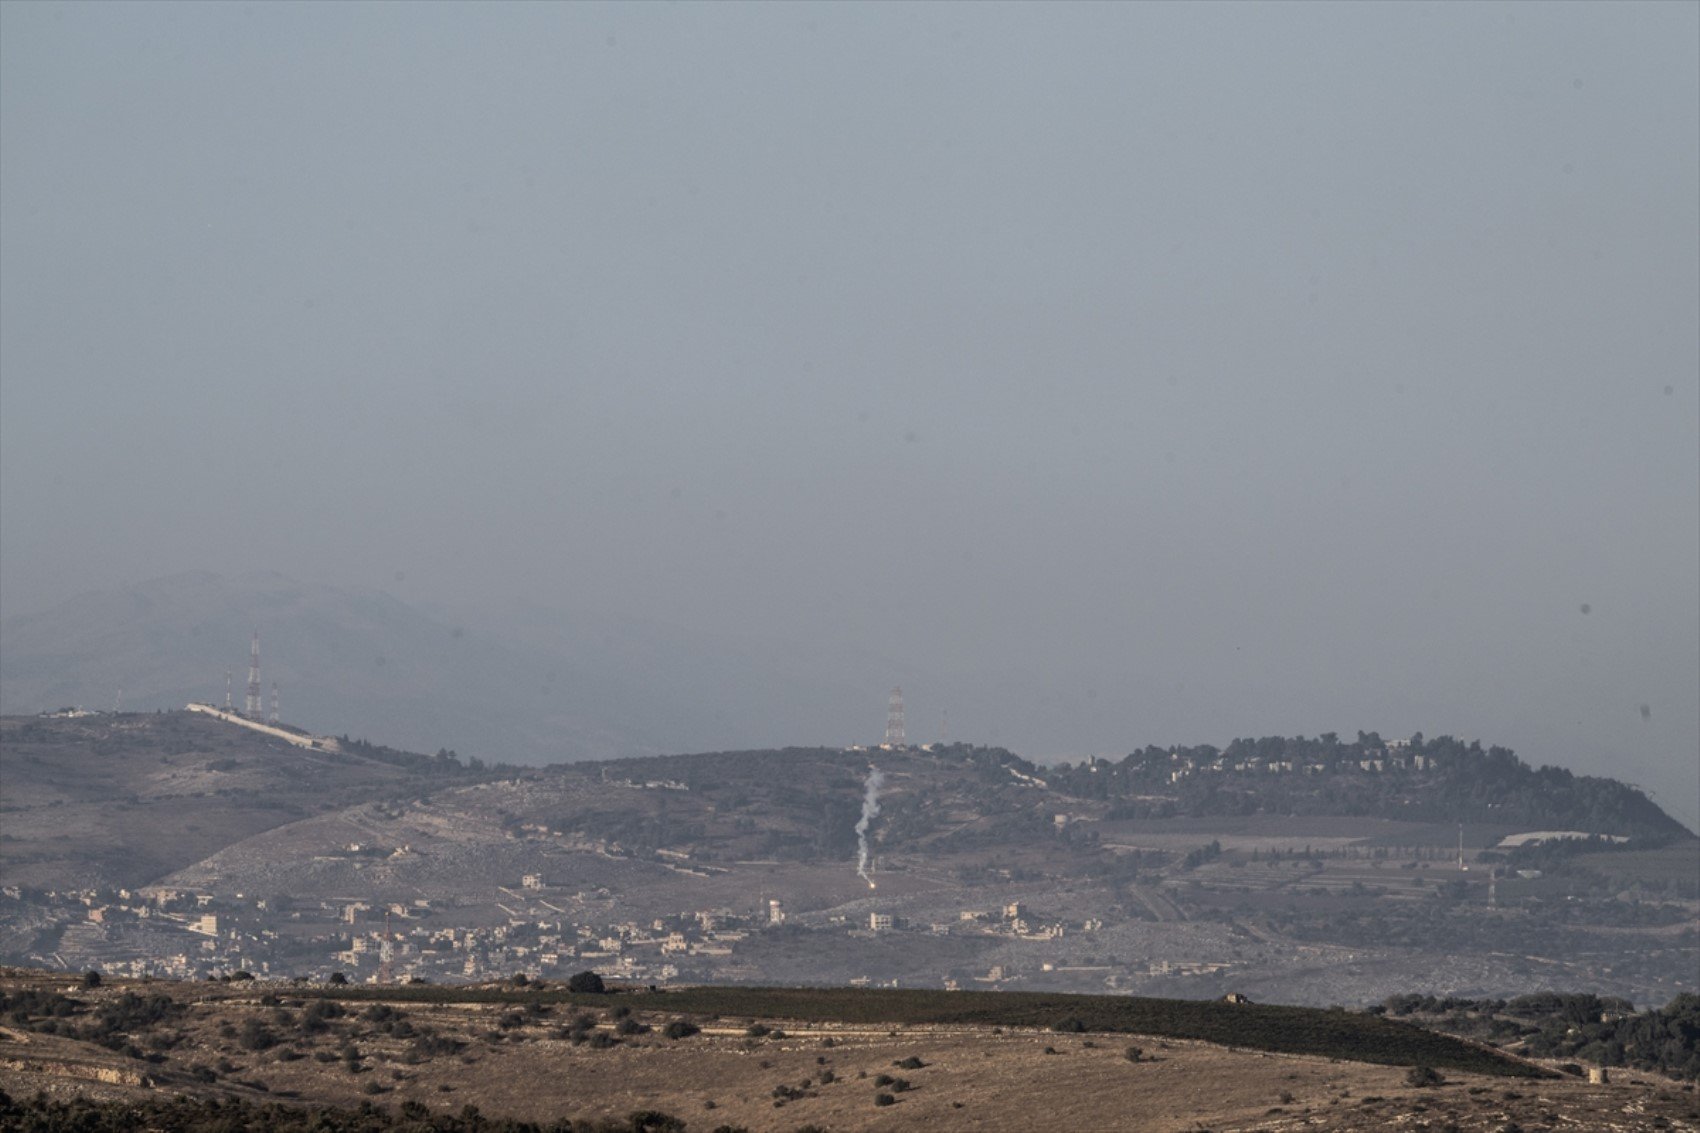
521,683
530,684
351,661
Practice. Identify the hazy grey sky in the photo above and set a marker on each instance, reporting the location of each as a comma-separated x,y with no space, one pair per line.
1233,369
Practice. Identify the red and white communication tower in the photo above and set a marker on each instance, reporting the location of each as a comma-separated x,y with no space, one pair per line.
255,709
894,721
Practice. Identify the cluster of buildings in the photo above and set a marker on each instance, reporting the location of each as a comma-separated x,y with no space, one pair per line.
1396,757
183,934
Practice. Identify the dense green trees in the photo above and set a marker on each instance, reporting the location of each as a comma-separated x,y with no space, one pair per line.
1598,1029
1456,781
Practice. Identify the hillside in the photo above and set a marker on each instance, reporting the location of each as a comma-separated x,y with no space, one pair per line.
125,800
271,1054
740,867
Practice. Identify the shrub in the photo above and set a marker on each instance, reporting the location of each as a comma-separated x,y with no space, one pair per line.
681,1029
433,1045
884,1099
630,1026
1069,1026
1424,1076
91,979
910,1063
317,1016
758,1030
1134,1054
257,1036
586,983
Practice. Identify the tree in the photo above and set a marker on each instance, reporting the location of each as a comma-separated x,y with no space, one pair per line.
337,980
586,983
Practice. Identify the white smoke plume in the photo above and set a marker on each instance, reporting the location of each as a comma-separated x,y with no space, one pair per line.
870,810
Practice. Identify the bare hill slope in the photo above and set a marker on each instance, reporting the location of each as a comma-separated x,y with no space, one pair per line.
126,800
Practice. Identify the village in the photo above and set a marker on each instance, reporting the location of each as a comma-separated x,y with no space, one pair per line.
173,933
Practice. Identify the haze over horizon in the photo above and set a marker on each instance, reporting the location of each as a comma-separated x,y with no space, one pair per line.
1200,371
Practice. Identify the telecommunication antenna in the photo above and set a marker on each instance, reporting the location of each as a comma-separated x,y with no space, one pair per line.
1462,868
275,716
118,705
255,708
227,676
894,720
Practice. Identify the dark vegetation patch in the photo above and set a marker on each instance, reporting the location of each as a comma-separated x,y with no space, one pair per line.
81,1115
1601,1030
113,1023
1292,1030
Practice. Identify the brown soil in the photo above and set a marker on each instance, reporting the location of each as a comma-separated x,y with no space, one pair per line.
974,1078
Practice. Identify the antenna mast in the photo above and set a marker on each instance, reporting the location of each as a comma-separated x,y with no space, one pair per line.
275,716
227,676
255,708
894,721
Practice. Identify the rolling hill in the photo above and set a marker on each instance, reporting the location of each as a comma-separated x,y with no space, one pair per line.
1344,887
